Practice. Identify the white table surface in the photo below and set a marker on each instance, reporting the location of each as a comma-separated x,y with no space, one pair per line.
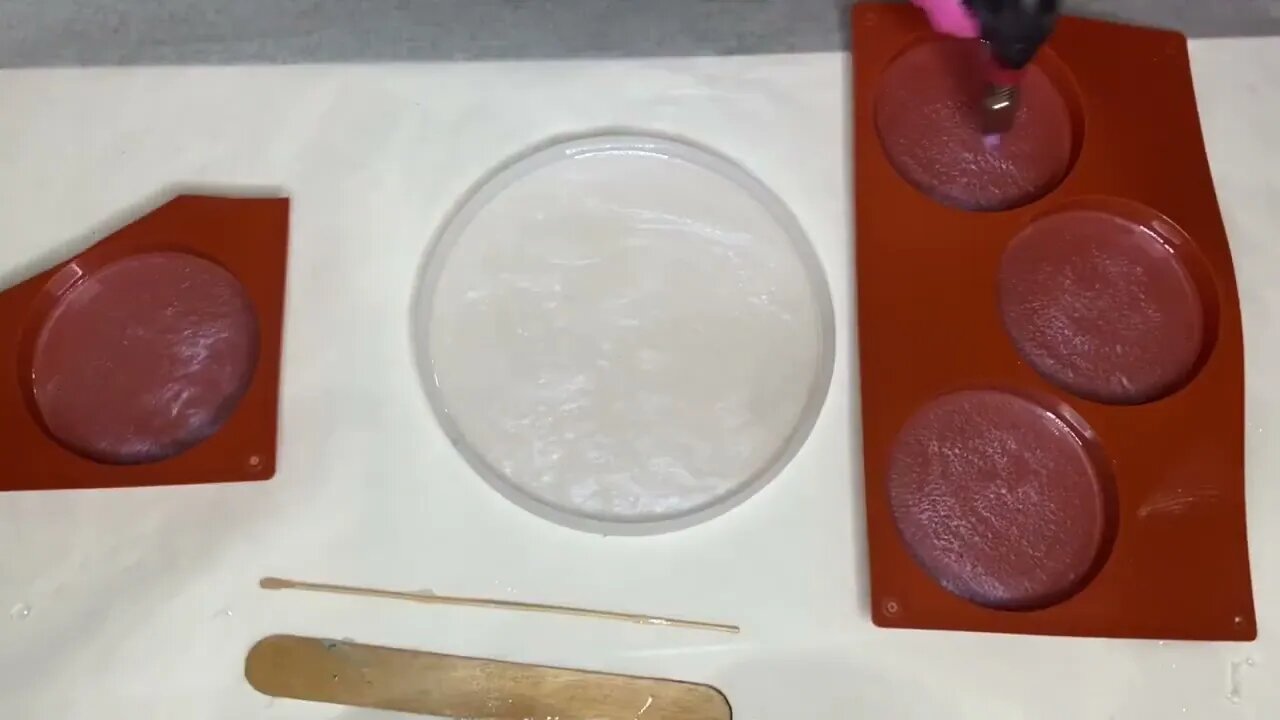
142,603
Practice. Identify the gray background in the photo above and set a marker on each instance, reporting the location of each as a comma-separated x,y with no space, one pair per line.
97,32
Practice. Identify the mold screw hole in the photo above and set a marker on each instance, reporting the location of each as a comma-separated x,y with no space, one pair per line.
255,461
891,607
1239,620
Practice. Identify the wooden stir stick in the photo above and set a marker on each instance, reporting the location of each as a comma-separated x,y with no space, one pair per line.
430,598
344,673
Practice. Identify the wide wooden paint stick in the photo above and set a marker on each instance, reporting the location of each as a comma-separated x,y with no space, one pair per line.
345,673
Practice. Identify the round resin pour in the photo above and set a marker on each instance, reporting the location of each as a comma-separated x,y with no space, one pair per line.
144,358
927,116
625,334
1101,307
997,498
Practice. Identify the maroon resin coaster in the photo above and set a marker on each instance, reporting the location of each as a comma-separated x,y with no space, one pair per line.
1051,356
925,120
153,357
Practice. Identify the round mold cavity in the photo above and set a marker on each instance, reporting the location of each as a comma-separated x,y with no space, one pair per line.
1005,502
1108,300
624,334
141,358
929,124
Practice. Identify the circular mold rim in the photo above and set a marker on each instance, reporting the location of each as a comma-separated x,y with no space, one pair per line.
1104,483
564,147
62,284
1060,77
1189,260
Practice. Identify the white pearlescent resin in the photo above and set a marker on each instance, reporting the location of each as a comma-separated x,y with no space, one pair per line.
624,334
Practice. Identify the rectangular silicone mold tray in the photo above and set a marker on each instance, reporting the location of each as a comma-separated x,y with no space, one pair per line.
152,357
1014,485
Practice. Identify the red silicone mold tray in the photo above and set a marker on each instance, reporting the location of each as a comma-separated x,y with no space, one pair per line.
153,357
1051,354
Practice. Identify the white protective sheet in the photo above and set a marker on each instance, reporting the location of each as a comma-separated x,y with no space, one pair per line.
141,603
